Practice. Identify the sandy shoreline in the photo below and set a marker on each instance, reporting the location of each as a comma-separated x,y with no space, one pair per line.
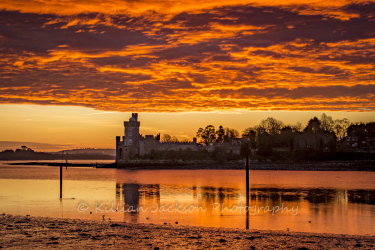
39,232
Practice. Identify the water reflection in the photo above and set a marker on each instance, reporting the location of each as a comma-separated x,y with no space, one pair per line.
301,201
132,193
361,196
227,206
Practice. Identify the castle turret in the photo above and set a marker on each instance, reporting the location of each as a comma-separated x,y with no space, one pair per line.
131,141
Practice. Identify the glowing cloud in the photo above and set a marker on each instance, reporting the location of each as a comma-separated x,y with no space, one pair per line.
189,56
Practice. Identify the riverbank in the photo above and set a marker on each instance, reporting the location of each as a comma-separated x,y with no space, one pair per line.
358,165
39,232
365,165
57,164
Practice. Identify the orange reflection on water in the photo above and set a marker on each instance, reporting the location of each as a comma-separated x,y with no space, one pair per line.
330,202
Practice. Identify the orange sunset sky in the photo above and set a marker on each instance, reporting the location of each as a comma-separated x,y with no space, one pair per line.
72,71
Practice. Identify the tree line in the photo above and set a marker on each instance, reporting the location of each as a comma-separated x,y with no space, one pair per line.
271,133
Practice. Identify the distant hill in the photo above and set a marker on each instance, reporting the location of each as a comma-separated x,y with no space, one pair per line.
90,151
25,153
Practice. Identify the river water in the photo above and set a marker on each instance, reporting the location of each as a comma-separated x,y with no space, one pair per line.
303,201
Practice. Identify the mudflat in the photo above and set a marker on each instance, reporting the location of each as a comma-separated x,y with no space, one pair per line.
42,232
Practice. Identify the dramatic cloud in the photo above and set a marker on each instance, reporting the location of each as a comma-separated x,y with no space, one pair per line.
189,56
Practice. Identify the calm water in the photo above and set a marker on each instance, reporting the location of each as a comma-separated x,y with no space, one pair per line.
329,202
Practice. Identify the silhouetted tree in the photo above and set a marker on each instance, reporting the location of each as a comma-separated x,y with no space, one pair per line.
331,144
230,133
326,123
340,128
296,127
220,134
357,131
250,133
166,138
271,126
313,126
264,144
363,132
169,138
287,137
207,134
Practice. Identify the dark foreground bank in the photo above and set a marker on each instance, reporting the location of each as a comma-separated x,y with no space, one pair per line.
27,232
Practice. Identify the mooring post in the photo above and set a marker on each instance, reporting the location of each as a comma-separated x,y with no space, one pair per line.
60,181
247,187
247,174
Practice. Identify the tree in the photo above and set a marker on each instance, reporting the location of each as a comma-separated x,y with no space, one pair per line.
220,134
246,133
326,123
169,138
296,127
313,126
230,133
166,138
264,144
358,130
364,132
271,126
287,137
174,139
340,128
250,133
207,134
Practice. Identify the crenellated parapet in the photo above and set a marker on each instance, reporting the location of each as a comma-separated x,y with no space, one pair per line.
133,143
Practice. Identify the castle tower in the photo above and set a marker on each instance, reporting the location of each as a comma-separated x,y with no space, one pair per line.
131,140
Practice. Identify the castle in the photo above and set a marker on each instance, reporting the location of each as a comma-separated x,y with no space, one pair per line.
133,143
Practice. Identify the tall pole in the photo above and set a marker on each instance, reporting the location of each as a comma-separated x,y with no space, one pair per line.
60,181
247,187
247,174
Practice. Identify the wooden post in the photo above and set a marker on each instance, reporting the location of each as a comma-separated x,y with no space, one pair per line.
60,182
247,187
247,174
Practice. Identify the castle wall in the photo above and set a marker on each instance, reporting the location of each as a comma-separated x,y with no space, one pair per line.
171,146
147,145
134,144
